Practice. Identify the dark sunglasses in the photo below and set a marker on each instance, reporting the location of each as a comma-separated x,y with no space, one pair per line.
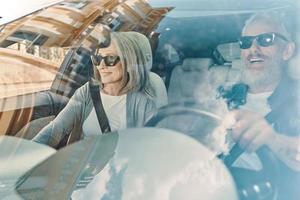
109,61
264,40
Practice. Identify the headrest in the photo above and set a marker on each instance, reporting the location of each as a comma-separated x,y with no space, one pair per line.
196,64
161,97
230,51
218,75
237,64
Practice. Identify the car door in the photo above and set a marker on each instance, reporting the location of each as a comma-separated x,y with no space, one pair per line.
37,61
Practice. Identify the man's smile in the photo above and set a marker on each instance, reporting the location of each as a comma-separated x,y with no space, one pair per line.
256,60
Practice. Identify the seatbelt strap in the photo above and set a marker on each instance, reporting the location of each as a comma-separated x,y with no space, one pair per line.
101,115
236,151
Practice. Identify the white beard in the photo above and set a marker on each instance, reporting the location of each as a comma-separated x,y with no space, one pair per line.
258,80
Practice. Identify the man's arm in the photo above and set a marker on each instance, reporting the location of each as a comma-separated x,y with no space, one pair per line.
287,149
251,131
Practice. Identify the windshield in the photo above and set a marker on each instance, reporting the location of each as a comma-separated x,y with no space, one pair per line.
222,73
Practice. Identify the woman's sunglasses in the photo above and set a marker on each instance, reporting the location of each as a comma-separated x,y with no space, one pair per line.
109,61
264,40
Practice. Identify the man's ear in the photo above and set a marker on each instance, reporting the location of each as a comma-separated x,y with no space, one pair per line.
288,51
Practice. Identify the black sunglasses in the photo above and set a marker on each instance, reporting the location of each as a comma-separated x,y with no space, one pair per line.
264,40
109,61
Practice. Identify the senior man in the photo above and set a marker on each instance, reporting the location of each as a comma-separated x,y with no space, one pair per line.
271,115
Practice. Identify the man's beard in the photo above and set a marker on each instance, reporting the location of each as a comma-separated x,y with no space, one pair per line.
258,80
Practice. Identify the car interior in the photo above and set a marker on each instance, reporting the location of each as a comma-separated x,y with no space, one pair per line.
46,57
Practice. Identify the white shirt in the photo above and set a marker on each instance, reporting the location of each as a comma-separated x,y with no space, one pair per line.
115,109
258,103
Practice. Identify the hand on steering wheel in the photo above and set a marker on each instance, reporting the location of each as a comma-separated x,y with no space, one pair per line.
261,185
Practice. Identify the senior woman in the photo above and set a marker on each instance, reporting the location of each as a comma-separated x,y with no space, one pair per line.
126,94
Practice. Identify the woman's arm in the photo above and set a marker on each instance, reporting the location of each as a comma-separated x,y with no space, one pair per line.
150,109
63,124
140,108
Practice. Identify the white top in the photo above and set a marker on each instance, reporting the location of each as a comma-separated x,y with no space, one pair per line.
258,103
115,109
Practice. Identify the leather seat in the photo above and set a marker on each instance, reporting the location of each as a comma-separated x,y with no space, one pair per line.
190,80
225,74
157,83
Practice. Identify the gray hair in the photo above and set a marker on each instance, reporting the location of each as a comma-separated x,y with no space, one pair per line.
275,18
135,55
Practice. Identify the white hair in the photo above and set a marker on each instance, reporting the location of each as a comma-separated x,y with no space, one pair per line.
135,55
275,18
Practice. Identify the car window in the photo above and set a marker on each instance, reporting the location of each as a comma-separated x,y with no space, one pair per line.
46,51
229,51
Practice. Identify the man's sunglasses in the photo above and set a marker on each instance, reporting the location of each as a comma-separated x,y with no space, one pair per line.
109,61
264,40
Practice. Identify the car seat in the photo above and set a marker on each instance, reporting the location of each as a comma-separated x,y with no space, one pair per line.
190,80
161,97
225,74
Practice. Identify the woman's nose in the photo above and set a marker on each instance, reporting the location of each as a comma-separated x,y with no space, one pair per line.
102,65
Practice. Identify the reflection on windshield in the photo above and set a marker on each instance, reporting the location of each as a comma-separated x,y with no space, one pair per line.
69,169
46,55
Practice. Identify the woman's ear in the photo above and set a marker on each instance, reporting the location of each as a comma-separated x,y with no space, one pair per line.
288,51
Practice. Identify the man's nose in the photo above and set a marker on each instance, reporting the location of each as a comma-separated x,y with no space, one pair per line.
255,47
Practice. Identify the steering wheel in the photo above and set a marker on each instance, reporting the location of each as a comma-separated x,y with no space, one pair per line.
251,184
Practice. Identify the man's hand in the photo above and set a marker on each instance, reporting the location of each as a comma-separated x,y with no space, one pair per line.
251,130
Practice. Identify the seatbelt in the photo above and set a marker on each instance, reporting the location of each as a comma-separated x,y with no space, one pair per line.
236,151
101,115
